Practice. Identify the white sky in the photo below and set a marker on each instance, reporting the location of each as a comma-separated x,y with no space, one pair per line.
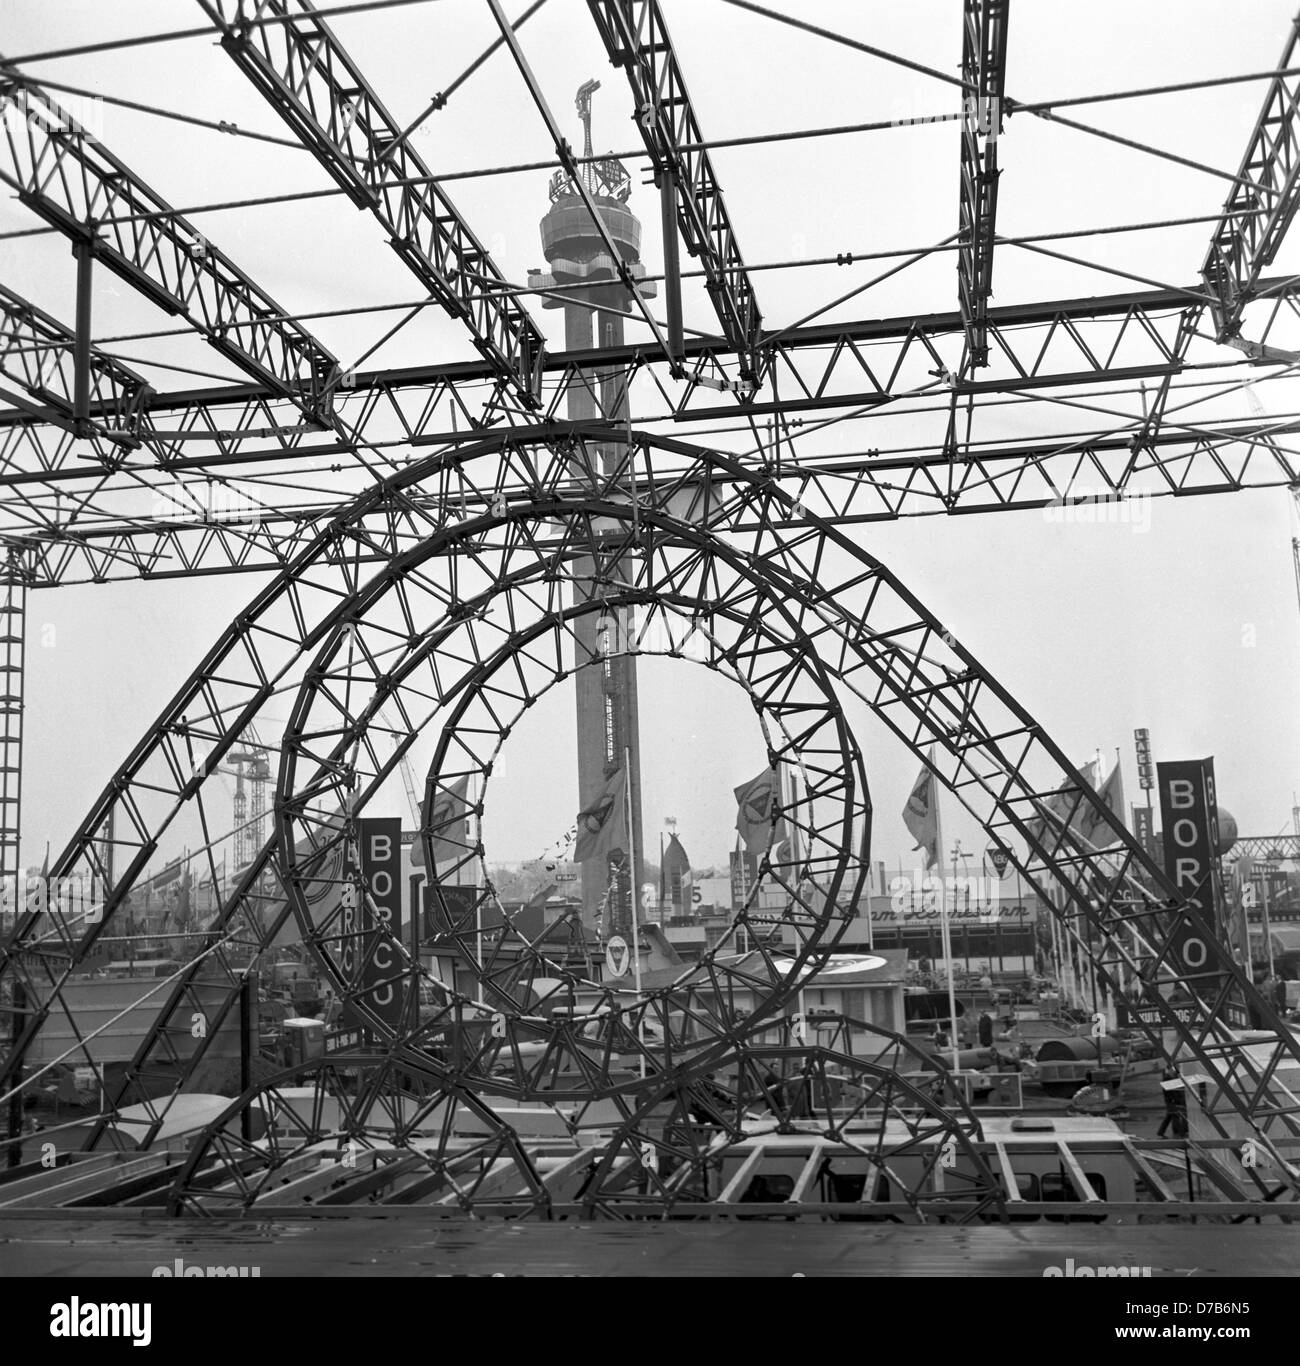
1190,628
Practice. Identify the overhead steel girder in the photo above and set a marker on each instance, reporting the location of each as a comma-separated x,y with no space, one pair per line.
1263,202
983,70
1049,344
195,437
637,40
302,70
1113,472
37,351
68,177
1267,848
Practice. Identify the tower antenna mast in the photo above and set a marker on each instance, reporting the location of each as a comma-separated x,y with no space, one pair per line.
585,91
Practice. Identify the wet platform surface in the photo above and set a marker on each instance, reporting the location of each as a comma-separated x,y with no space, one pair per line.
82,1247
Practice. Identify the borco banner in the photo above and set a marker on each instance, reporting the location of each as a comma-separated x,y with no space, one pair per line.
1190,819
381,976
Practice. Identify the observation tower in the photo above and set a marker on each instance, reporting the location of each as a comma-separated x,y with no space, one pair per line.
589,286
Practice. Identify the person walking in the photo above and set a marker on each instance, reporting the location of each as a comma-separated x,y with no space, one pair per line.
1175,1095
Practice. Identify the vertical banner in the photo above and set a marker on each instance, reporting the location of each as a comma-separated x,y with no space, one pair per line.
1144,828
380,863
744,873
1191,835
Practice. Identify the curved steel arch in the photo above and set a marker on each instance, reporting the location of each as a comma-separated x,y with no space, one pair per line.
322,1119
926,686
831,863
355,1125
872,1105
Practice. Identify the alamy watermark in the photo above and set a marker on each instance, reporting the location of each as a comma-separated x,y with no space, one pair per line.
207,503
922,895
80,894
1071,1270
72,113
179,1268
1100,507
641,630
75,1318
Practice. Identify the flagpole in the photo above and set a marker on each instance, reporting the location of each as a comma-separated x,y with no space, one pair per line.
470,790
945,937
664,895
636,937
786,790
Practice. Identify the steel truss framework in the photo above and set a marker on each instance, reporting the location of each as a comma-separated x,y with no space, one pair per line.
472,547
1263,201
312,83
983,69
361,1127
636,38
352,643
1125,339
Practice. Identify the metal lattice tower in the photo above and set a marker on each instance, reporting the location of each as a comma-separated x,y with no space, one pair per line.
578,252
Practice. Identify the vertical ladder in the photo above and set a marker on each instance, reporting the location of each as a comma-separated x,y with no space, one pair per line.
13,619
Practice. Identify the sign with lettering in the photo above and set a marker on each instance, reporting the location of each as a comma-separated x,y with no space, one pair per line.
382,980
744,873
1144,829
451,913
1189,815
1142,744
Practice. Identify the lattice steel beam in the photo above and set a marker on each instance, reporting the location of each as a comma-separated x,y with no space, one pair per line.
36,351
71,524
1251,231
1102,472
303,71
983,69
1265,848
1048,344
69,178
636,38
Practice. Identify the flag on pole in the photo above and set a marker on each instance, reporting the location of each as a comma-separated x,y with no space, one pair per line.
757,801
168,874
1062,809
602,823
184,906
921,816
1111,795
449,822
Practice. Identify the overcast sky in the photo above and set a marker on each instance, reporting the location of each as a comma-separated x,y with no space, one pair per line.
1188,625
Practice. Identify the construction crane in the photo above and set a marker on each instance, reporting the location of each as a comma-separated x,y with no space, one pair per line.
1258,410
408,774
1295,547
251,770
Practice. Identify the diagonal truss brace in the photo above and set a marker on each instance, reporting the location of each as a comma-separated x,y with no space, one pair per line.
37,352
637,40
308,78
983,69
1251,230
